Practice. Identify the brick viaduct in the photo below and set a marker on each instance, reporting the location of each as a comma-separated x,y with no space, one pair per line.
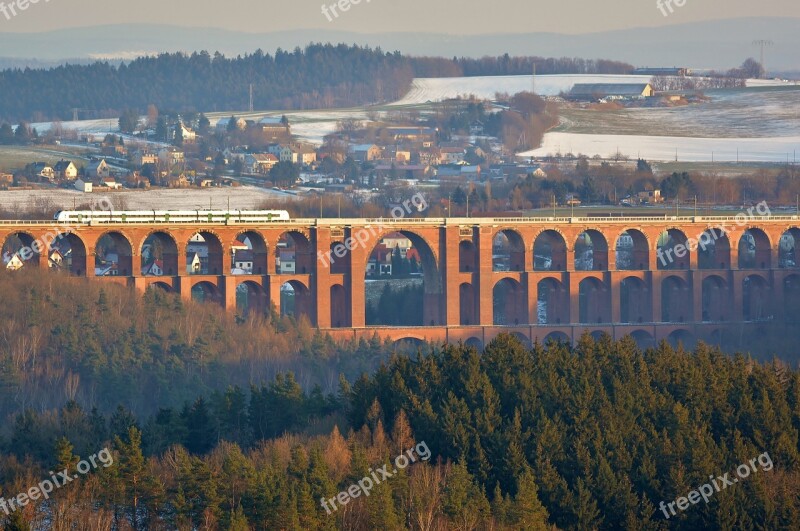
560,276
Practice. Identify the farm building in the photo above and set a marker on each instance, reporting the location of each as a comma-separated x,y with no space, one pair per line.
613,91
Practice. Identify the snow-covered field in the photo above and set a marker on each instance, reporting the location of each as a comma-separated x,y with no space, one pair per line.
424,90
664,148
244,198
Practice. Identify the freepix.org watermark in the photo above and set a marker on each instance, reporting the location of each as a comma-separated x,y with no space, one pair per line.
367,483
342,6
11,9
360,238
666,5
56,481
669,255
721,483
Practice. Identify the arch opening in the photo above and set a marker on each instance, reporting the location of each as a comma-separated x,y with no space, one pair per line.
716,299
403,283
113,256
249,254
550,252
204,254
673,251
509,303
508,251
755,251
591,251
467,257
159,255
714,250
21,250
552,302
632,251
676,300
634,304
595,306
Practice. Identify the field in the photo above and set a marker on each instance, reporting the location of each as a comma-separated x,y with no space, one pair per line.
241,198
12,157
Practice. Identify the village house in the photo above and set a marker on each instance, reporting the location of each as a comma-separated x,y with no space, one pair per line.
451,155
140,158
97,169
222,124
43,170
65,169
260,163
188,135
365,152
171,157
273,127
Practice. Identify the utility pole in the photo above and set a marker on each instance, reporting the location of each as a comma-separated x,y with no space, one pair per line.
533,87
763,43
251,97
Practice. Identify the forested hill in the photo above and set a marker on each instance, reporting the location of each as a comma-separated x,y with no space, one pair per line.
319,76
316,77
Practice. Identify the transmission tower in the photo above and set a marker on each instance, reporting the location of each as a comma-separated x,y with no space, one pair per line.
763,43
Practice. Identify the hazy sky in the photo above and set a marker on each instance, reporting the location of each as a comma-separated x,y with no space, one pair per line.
373,16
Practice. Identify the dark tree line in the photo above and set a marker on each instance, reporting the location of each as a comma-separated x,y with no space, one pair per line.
317,76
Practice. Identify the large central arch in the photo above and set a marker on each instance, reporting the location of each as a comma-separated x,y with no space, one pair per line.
431,308
550,252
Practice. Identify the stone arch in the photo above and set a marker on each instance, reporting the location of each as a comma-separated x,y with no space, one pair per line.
673,251
597,335
207,292
340,308
249,254
635,304
163,286
591,251
467,257
71,250
296,300
632,251
595,306
468,304
294,254
644,339
789,249
755,250
716,299
113,252
552,302
432,307
475,343
159,254
714,249
550,251
525,340
682,337
21,249
251,299
756,298
204,253
509,303
676,300
557,337
508,251
409,342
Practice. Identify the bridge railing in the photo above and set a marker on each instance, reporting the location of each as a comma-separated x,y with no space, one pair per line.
437,222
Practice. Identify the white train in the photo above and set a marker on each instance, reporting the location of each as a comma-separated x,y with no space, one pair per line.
171,216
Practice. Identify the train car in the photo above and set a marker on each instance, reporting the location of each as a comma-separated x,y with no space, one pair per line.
170,216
